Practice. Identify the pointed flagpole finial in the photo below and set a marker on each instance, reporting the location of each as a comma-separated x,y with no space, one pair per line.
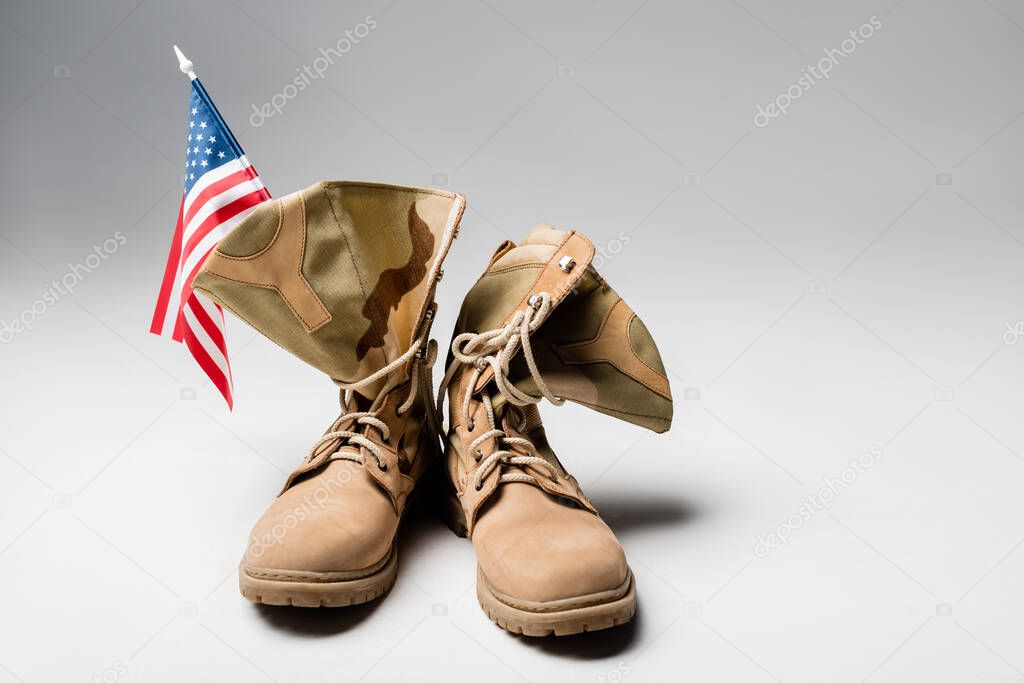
185,64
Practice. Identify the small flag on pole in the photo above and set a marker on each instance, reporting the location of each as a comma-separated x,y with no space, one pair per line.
221,189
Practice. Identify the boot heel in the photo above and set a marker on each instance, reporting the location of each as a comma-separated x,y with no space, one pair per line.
453,514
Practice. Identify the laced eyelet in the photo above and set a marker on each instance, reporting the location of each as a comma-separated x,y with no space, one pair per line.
383,466
479,485
471,424
478,455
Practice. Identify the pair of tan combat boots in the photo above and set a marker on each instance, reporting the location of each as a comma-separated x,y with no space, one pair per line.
343,275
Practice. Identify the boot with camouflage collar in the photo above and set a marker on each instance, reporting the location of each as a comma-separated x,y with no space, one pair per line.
343,276
541,323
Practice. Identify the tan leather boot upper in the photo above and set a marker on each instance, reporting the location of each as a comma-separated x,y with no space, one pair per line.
339,511
541,323
343,275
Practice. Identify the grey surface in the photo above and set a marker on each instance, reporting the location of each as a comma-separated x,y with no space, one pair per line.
817,287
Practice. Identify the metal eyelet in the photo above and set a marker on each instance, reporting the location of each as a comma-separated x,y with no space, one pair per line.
478,455
471,424
383,466
534,301
479,485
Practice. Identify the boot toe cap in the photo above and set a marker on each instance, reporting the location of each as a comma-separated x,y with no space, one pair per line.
566,553
316,526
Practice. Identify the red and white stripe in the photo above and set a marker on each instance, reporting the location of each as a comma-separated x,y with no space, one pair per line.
219,201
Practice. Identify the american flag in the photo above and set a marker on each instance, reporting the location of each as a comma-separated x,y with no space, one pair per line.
221,189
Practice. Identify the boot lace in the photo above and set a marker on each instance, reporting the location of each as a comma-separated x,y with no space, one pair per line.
420,356
495,349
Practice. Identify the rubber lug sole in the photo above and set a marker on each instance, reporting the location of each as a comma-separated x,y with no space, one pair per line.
319,593
568,622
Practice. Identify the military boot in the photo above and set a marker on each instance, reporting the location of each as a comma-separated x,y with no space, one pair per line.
343,276
541,323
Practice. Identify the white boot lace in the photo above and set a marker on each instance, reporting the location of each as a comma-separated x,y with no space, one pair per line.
420,356
495,349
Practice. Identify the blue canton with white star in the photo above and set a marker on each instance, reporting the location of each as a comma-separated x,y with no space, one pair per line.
208,142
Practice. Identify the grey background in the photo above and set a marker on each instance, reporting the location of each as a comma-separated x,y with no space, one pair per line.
840,279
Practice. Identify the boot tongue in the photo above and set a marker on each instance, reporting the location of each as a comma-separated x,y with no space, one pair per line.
340,274
591,349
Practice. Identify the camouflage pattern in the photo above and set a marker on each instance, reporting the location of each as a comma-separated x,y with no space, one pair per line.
592,349
339,274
